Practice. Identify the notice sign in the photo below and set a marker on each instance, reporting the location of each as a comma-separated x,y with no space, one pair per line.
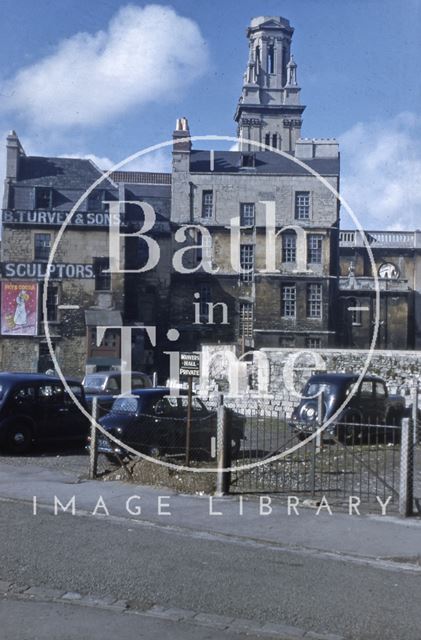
190,364
19,308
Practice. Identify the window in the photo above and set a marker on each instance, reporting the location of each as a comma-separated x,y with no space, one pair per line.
50,392
246,320
380,390
207,204
355,310
271,59
313,343
366,390
257,53
52,302
302,205
246,214
247,160
314,248
289,247
96,200
42,246
205,299
288,301
247,261
102,280
43,198
24,395
287,342
267,139
275,141
314,301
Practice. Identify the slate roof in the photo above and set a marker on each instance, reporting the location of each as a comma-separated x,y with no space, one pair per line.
265,162
59,173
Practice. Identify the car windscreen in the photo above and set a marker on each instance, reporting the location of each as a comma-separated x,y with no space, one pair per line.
313,389
125,405
94,383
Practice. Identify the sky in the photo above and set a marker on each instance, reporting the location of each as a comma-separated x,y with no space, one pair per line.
106,78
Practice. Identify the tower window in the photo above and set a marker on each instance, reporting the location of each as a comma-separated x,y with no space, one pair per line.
267,139
302,205
207,204
258,54
275,141
271,59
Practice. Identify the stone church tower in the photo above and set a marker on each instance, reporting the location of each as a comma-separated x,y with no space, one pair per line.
269,109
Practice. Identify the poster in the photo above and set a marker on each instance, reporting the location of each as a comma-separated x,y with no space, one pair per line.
19,308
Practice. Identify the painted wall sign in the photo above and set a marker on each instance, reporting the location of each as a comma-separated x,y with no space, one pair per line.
19,308
38,269
53,218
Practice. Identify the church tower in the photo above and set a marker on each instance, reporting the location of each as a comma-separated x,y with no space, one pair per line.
269,109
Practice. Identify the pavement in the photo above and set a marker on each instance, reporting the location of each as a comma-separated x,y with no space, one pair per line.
153,563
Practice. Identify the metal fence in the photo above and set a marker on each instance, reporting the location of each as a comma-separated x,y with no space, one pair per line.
358,459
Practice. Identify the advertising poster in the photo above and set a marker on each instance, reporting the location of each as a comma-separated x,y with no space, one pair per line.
19,308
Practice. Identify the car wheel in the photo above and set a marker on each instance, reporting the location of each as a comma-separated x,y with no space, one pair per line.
155,451
19,439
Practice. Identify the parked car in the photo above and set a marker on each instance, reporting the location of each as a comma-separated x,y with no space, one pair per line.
37,408
106,386
370,405
154,422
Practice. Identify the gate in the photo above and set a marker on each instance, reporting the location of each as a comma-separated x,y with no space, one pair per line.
355,460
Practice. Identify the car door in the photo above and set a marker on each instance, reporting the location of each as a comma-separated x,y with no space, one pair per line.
55,416
77,424
367,401
202,426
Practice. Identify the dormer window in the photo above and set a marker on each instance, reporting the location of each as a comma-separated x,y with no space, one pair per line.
96,200
248,160
43,198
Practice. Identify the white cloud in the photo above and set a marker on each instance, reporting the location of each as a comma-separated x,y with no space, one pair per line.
381,172
103,162
146,54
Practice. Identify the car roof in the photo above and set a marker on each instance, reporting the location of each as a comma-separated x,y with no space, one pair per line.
154,391
115,373
21,376
341,377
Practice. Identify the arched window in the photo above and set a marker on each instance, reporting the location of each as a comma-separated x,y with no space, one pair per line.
271,59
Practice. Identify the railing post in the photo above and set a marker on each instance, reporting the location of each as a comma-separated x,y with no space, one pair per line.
415,394
93,451
406,488
222,454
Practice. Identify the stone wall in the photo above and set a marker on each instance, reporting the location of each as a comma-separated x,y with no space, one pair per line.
271,379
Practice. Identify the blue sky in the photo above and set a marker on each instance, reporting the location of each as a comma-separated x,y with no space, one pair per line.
107,78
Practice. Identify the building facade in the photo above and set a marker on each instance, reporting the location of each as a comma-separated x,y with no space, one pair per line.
250,249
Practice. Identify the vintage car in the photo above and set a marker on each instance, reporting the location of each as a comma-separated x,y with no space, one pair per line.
37,408
154,422
370,406
106,386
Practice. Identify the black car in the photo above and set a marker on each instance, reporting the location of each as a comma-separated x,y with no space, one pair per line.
37,408
106,386
154,422
370,406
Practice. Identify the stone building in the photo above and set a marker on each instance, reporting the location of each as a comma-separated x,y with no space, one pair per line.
251,302
397,257
39,194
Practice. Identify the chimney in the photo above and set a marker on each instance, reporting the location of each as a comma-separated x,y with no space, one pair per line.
181,136
14,152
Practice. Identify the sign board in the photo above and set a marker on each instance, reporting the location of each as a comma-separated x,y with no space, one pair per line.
58,270
190,364
19,308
